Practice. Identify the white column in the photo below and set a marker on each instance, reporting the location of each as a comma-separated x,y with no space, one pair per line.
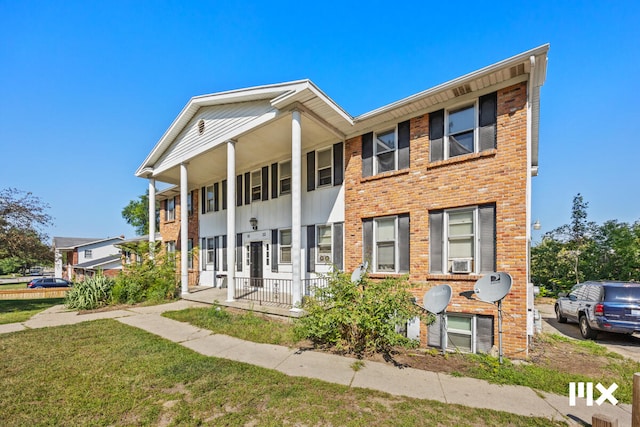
152,214
184,230
296,209
231,220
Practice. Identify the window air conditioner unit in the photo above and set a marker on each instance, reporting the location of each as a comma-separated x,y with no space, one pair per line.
461,266
325,258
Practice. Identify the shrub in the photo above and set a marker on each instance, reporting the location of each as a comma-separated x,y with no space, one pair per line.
93,292
152,280
359,317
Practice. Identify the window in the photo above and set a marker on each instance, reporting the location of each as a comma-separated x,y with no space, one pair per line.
190,254
170,214
171,250
285,177
385,244
87,253
210,251
324,167
385,151
464,129
461,131
256,185
466,333
285,246
190,203
324,244
462,240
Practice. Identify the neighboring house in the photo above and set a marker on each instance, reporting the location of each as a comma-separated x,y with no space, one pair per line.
77,257
282,185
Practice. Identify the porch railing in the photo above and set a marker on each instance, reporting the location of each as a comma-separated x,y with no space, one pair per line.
273,291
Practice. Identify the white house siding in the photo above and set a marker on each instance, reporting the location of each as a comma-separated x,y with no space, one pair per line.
219,120
98,250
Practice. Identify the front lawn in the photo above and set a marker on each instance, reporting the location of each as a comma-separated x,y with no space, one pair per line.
553,363
20,310
107,373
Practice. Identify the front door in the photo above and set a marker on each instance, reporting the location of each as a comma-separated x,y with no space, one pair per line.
255,258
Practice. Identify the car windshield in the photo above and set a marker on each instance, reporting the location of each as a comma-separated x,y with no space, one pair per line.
622,293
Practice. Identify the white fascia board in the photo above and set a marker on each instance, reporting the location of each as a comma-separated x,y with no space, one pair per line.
290,97
523,57
99,241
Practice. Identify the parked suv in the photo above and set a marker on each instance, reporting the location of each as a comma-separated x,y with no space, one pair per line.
601,306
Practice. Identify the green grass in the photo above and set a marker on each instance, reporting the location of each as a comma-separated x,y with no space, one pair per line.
14,311
13,286
247,326
106,373
254,328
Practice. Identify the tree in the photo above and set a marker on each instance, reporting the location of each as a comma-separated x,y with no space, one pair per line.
22,218
136,213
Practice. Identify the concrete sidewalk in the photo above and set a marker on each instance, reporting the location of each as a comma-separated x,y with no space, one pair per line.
337,369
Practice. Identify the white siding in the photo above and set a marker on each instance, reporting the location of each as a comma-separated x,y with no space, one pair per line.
219,121
98,250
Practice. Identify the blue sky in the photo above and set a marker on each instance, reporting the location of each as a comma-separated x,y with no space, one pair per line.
88,88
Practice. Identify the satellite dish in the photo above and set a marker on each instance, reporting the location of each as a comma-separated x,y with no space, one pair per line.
437,298
360,270
493,287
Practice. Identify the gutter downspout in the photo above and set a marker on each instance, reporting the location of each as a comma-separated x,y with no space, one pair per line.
530,300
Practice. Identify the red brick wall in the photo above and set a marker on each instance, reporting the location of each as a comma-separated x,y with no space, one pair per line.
170,230
497,176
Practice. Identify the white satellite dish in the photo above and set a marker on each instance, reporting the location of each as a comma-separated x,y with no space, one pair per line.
437,299
493,287
360,270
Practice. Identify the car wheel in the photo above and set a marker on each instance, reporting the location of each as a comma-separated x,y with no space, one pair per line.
585,330
559,317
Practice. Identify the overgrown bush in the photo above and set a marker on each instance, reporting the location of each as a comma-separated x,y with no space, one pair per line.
152,280
359,317
93,292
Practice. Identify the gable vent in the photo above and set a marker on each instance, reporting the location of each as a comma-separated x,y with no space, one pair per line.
201,126
462,90
516,70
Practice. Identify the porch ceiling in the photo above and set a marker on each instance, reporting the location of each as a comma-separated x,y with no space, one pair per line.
260,147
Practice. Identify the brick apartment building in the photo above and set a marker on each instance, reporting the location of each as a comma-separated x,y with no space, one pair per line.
282,185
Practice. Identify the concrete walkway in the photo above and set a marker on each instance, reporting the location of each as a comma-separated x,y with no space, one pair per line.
336,369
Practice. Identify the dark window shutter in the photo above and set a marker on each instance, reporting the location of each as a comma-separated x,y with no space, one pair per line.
367,154
488,120
484,334
239,252
436,135
247,188
338,244
433,333
403,243
311,248
274,181
224,194
204,200
216,258
203,253
338,163
436,244
311,171
239,190
487,219
224,249
265,183
367,241
403,144
216,192
274,251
